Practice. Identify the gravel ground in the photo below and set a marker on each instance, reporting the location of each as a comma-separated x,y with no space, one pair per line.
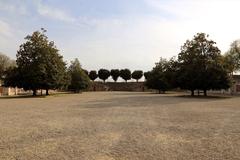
119,126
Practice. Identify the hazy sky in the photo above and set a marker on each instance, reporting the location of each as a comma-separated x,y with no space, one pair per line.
118,33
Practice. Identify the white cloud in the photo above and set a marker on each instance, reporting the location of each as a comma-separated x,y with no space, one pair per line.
219,18
5,29
54,13
14,7
137,41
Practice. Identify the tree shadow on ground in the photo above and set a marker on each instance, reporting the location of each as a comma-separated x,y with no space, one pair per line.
151,100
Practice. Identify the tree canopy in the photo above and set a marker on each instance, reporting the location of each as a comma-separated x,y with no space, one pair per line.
157,78
200,65
115,73
146,75
79,79
5,63
93,75
103,74
125,74
39,65
137,74
232,57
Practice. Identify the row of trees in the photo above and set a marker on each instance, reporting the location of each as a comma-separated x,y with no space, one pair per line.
125,74
199,66
40,66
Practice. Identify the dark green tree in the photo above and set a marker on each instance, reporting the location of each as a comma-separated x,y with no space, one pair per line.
115,73
125,74
157,78
5,63
39,64
12,77
103,74
137,75
93,75
199,61
79,79
146,75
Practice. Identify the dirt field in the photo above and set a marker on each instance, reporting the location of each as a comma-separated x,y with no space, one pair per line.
119,126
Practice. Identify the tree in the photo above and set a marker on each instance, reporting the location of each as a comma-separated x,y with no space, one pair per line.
12,77
93,75
39,64
103,74
137,75
146,75
157,78
5,63
125,74
199,61
79,79
232,57
85,71
115,73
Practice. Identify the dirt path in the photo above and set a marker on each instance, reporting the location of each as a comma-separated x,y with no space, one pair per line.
119,126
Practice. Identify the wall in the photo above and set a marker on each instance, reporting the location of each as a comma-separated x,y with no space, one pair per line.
119,86
5,91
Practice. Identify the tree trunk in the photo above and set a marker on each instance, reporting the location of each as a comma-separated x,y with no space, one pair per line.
192,92
47,93
34,92
205,92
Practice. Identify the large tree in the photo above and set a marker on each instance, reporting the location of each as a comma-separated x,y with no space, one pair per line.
103,74
39,64
200,65
79,79
137,74
115,73
125,74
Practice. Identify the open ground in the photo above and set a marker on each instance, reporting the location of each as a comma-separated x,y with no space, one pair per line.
119,126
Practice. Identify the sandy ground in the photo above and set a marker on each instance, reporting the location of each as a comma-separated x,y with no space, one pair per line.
119,126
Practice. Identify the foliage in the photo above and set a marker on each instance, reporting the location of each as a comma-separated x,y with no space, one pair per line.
115,73
93,75
158,77
200,65
146,75
79,79
39,66
5,63
232,57
85,71
12,78
103,74
137,74
125,74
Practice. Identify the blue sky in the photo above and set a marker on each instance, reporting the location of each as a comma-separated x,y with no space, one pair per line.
118,33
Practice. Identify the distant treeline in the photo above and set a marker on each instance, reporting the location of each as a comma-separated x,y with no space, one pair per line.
125,74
